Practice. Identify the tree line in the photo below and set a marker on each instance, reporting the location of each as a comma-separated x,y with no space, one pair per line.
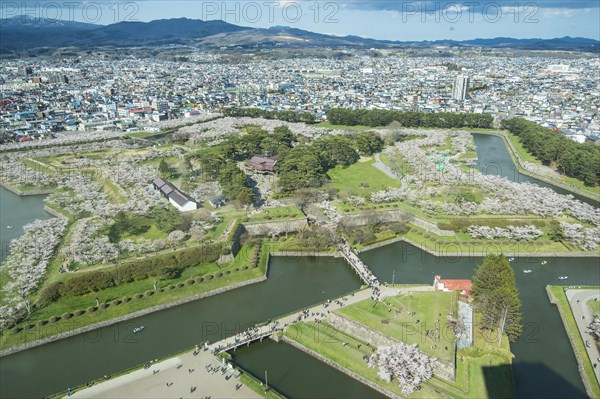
288,116
497,297
581,161
379,117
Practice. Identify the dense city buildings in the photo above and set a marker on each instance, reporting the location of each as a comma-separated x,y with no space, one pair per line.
50,95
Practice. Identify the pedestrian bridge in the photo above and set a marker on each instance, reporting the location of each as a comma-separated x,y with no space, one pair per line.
243,338
358,265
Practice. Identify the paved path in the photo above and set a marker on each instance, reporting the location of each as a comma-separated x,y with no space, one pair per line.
578,300
148,383
318,312
388,171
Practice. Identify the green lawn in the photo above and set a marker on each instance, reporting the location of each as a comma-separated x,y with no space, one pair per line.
393,317
558,292
523,153
595,306
360,179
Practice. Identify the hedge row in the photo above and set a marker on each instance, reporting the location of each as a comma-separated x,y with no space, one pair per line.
116,302
167,266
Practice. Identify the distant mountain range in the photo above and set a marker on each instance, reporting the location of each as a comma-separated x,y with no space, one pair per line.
21,33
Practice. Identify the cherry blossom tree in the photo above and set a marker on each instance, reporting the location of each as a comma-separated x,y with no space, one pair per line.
406,363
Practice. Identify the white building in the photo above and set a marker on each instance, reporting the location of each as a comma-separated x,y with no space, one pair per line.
179,200
460,90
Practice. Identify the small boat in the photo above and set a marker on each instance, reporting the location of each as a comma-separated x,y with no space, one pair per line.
511,259
9,227
138,329
563,277
527,271
544,262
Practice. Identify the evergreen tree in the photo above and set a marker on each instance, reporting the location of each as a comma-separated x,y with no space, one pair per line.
164,169
496,296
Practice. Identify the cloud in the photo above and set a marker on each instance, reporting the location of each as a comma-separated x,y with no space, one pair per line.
429,6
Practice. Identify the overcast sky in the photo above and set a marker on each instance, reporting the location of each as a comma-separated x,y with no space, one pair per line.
380,19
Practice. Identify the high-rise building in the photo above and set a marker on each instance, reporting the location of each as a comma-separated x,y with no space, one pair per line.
460,90
58,78
160,105
26,71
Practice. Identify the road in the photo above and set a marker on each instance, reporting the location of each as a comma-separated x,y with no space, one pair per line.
578,300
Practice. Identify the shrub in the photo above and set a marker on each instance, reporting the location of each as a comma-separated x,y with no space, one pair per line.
42,322
103,305
227,271
244,267
148,293
53,319
125,299
87,282
189,282
116,302
66,316
208,277
237,269
15,330
50,293
426,235
171,287
179,285
199,279
27,326
78,312
218,274
91,309
137,296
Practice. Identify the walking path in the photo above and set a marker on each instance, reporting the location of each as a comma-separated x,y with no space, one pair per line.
388,171
174,378
316,313
578,300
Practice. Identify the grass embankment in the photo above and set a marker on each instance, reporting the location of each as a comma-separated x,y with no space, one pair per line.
482,370
167,291
258,387
393,318
560,300
284,212
361,179
594,306
466,245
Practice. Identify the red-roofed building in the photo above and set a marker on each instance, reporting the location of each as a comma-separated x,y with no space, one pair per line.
464,286
262,164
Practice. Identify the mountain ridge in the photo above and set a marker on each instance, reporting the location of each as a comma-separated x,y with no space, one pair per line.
22,32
